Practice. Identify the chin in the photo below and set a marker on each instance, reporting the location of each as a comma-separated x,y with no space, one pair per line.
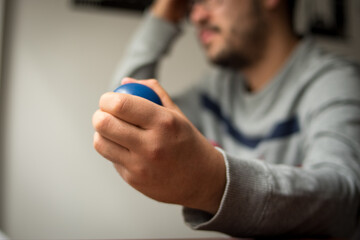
212,56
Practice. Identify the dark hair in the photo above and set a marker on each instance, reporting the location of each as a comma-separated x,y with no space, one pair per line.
291,7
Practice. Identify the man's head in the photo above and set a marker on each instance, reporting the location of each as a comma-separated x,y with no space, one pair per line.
235,33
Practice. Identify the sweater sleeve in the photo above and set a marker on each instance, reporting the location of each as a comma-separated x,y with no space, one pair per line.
319,199
150,43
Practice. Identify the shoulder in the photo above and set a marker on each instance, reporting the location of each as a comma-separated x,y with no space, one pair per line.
328,79
313,62
332,75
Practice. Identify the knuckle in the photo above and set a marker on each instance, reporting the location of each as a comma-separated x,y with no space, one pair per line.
130,178
121,103
153,81
126,176
168,122
103,99
136,175
98,143
102,121
140,171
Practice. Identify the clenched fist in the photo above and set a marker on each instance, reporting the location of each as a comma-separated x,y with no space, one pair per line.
158,151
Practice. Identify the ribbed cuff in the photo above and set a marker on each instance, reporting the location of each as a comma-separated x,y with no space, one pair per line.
243,203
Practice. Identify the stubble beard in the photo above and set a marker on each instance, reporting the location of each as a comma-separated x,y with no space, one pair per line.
242,49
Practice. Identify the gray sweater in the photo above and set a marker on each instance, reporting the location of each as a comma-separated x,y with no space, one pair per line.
292,150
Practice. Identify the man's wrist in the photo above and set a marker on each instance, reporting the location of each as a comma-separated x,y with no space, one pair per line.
218,184
212,186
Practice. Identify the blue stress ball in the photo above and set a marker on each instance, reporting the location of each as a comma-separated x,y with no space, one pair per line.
140,91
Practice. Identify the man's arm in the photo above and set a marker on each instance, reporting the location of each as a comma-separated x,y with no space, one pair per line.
152,40
158,151
319,198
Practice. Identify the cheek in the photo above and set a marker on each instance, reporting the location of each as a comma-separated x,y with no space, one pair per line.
230,35
242,30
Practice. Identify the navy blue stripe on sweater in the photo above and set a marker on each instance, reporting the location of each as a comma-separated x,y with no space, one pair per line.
280,130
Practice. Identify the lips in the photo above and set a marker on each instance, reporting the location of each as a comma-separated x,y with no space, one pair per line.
207,34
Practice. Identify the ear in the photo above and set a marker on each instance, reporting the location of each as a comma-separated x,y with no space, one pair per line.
271,4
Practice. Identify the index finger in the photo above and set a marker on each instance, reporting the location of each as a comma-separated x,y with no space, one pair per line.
132,109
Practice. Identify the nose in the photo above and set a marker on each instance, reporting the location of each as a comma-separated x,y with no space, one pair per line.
198,14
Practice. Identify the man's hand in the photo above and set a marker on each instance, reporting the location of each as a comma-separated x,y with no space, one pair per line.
170,10
158,151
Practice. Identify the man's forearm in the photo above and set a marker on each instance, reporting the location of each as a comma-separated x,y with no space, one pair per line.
270,200
150,43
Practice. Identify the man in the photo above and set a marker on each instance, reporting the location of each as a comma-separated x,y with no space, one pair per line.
284,115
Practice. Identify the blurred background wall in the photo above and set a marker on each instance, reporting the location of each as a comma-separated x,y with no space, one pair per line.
2,178
59,60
